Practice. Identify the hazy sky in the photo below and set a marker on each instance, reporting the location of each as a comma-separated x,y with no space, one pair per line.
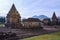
28,8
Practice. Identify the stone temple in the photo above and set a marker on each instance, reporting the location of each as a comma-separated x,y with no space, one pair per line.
13,18
54,19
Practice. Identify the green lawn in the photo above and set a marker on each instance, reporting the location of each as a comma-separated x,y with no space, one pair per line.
52,36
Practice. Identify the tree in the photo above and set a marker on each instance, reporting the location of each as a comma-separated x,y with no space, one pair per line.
2,20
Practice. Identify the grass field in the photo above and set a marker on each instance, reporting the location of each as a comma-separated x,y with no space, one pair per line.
52,36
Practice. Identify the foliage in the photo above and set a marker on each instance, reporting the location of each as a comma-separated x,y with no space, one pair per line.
2,20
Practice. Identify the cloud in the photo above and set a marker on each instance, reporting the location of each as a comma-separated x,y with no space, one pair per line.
42,7
28,8
4,7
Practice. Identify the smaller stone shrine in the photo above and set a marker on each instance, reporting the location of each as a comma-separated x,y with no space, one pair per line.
13,18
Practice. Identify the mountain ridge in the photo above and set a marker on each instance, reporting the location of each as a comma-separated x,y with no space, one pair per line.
41,17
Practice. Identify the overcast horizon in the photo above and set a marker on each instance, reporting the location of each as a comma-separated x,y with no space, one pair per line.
29,8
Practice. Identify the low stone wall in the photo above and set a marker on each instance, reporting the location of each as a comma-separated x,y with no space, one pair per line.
52,28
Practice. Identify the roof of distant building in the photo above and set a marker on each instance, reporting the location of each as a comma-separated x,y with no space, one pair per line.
47,19
32,20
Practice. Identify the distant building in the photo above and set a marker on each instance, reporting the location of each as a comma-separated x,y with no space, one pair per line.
13,18
54,19
47,21
31,23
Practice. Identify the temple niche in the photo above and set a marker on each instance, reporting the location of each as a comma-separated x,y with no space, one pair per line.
13,18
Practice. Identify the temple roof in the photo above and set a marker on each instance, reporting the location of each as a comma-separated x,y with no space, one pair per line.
31,20
13,7
54,16
13,11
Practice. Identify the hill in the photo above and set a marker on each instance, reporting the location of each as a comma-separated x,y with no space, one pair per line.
41,17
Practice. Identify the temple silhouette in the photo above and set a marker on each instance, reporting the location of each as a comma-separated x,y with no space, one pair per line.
13,20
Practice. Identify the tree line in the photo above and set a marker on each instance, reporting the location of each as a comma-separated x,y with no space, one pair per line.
2,20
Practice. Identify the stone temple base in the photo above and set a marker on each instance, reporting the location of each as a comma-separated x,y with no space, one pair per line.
13,25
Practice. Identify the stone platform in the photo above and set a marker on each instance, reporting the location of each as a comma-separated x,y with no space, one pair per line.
24,33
